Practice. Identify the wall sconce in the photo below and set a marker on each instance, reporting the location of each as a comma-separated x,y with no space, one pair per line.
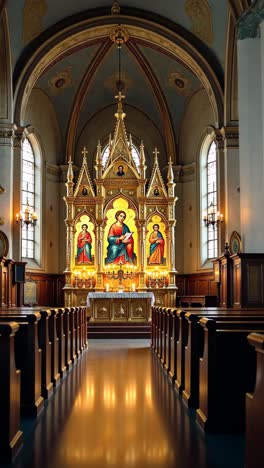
213,217
28,216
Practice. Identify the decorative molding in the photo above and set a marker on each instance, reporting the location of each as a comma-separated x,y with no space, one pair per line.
6,134
230,136
61,81
185,173
219,139
180,83
248,23
165,36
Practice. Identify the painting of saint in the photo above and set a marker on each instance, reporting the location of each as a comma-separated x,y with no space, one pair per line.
84,246
120,171
157,243
120,241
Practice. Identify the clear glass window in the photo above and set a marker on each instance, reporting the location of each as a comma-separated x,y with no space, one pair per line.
28,197
212,202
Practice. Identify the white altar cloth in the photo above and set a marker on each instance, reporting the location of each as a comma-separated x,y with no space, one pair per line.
120,295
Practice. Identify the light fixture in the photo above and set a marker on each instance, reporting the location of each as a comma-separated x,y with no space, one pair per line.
212,217
27,216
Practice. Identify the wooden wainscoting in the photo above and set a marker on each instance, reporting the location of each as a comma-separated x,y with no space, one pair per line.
197,284
49,288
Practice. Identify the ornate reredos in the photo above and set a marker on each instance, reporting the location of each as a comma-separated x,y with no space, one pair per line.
156,181
120,150
84,181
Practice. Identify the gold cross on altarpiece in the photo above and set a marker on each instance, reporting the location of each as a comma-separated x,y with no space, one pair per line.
156,152
84,151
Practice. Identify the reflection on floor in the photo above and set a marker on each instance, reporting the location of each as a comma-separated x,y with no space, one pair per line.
117,408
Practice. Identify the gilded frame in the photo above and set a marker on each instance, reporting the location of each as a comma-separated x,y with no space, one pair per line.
235,243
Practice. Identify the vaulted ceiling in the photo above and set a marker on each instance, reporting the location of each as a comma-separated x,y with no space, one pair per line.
175,48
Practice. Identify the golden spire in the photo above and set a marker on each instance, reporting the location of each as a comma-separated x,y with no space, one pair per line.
70,171
120,114
170,175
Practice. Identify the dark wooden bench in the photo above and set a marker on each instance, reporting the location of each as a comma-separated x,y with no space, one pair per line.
255,408
28,358
193,347
227,372
189,300
11,437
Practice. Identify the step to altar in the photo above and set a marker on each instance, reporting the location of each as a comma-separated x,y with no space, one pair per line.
118,330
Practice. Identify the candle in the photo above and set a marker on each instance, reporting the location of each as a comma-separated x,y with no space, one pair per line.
107,287
133,287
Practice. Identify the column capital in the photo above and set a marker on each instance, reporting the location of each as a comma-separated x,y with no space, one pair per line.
219,139
6,134
248,23
19,134
231,136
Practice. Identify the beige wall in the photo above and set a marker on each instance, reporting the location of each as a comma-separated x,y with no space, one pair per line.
198,116
41,116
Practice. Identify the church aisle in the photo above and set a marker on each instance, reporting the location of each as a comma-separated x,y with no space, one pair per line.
116,408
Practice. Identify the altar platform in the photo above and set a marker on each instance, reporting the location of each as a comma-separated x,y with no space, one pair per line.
120,306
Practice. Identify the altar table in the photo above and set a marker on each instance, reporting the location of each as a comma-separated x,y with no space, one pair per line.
120,306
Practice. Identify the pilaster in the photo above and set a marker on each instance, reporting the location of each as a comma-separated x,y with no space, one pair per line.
231,177
220,148
6,200
250,93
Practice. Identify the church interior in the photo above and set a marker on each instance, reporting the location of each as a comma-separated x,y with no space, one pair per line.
131,193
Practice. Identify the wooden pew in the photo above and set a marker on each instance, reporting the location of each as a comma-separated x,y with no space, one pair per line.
227,371
55,375
45,346
84,325
28,357
255,408
73,330
11,437
167,338
194,346
62,342
163,335
172,369
179,352
68,337
153,326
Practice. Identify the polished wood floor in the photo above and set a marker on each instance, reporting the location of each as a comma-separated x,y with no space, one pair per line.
116,408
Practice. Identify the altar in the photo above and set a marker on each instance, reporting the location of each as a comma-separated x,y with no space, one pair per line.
120,307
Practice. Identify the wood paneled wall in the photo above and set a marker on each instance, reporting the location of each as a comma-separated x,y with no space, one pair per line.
197,284
49,290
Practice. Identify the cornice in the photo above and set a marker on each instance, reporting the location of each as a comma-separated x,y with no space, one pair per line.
230,136
185,173
248,23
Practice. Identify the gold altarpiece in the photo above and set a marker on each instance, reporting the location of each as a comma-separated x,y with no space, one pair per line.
120,229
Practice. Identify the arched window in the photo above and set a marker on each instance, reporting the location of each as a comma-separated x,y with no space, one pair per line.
209,200
28,197
31,192
135,156
212,202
